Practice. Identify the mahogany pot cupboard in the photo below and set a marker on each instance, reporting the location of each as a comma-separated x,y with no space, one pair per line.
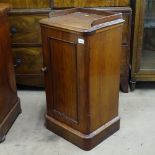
26,40
82,83
9,102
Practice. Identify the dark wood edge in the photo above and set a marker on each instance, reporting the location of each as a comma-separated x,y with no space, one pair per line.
90,31
84,141
124,83
115,9
85,10
24,45
9,120
62,12
15,12
106,8
30,75
106,19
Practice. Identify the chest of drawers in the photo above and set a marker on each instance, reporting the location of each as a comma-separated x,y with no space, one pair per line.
26,40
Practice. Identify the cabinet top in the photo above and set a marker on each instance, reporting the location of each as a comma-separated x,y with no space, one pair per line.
4,7
82,19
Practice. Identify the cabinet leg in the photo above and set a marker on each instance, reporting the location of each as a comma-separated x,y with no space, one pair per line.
2,138
124,85
132,85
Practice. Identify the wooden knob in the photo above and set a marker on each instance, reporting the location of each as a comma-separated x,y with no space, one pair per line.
18,61
13,30
43,69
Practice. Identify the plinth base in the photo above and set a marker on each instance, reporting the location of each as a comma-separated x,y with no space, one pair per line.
85,142
9,120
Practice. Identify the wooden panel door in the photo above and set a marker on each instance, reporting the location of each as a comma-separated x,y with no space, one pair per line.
64,68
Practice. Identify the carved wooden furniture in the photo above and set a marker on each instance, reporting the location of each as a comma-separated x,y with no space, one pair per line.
26,34
26,40
82,52
26,43
9,102
143,59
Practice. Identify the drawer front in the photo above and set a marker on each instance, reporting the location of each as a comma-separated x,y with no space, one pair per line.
89,3
30,80
126,29
29,3
27,60
25,29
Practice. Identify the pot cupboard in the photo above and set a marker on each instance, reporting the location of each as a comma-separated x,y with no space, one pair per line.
82,83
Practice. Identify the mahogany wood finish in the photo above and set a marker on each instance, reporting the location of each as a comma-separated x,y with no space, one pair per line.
26,43
29,4
82,83
125,59
89,3
9,102
26,34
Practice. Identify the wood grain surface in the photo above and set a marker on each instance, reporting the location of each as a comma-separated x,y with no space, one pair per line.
82,78
89,3
28,3
9,102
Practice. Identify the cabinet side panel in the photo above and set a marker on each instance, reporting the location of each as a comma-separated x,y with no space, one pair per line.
8,94
105,50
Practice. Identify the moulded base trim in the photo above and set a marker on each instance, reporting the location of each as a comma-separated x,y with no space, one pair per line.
9,120
84,141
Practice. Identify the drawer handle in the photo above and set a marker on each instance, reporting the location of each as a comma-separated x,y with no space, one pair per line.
44,69
13,30
17,62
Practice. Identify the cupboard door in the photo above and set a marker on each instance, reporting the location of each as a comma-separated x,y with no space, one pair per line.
89,3
63,67
29,3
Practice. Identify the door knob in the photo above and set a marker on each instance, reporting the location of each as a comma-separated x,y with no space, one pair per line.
44,69
18,61
13,31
